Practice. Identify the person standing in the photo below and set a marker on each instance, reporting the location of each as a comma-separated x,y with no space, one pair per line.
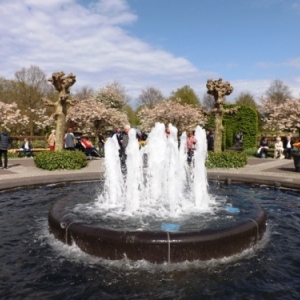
210,140
69,140
239,138
191,147
51,140
4,146
123,142
288,145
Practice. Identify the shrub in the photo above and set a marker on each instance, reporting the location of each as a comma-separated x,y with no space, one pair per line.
251,151
53,160
226,160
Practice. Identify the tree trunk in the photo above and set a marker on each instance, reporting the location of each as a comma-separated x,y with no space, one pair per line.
218,132
60,132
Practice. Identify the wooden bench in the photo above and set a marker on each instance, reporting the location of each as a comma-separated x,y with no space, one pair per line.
20,152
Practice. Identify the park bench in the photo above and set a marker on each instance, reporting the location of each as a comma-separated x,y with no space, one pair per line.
34,150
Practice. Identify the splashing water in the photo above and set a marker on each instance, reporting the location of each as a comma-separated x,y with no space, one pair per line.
167,187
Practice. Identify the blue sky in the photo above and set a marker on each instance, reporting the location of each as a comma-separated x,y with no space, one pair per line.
161,43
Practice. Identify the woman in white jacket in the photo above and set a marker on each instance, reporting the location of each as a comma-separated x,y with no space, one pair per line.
278,148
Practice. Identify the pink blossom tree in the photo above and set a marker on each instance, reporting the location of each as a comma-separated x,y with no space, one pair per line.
91,115
184,117
283,116
113,95
11,117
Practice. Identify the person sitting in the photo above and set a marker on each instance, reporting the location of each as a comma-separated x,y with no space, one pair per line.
90,149
278,148
27,148
263,147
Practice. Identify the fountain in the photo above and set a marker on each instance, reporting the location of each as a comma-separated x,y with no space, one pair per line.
161,212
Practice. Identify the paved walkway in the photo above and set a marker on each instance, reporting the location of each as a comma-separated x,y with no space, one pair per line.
22,172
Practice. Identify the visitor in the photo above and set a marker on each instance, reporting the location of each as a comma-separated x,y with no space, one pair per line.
119,134
123,142
288,145
210,140
239,138
167,132
69,140
27,148
89,148
4,146
144,136
278,148
263,147
51,140
101,143
191,146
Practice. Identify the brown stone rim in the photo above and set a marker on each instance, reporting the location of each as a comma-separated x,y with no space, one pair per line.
160,246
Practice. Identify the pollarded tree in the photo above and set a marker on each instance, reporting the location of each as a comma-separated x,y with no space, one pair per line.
218,89
90,115
62,84
11,118
184,117
150,97
246,99
186,95
283,116
278,92
113,95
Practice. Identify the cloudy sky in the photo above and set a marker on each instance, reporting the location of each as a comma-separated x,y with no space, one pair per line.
161,43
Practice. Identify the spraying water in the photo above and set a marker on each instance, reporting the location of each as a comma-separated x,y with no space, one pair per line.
167,187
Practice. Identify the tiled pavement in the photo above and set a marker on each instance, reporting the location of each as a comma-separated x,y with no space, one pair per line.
22,172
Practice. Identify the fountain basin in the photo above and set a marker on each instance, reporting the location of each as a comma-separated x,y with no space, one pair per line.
156,246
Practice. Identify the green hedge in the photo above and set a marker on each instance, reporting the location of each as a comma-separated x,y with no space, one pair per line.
226,160
245,119
55,160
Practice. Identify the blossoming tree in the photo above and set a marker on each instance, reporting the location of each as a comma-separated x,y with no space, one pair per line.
283,116
11,117
90,115
184,117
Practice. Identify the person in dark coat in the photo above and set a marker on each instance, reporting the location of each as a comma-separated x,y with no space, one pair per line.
210,140
5,142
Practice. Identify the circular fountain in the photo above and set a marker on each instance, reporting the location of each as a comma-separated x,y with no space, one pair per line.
161,210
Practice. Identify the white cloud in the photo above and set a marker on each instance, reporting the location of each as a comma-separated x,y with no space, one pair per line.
91,42
87,41
295,63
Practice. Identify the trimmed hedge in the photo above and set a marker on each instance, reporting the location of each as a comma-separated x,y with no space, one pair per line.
226,160
58,160
246,119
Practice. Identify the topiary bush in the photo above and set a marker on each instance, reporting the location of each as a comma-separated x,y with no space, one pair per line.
226,160
55,160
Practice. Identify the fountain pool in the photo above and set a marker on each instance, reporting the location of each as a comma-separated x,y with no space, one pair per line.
35,265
